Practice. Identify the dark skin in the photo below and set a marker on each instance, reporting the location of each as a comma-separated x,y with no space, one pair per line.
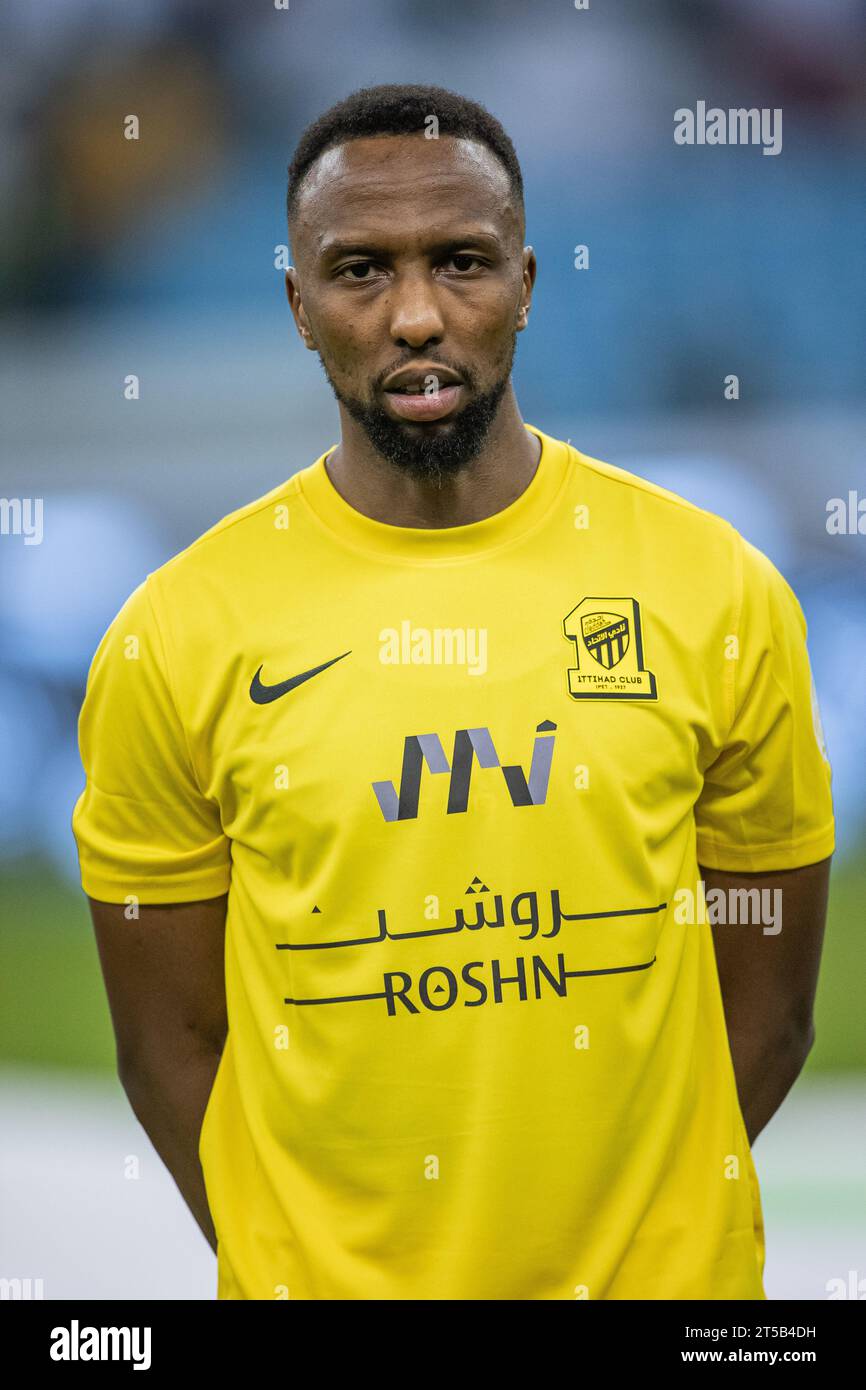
768,985
448,279
164,975
438,244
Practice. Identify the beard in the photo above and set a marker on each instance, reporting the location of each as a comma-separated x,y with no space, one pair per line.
424,451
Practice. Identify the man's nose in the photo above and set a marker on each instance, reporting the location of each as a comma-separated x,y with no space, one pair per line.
416,317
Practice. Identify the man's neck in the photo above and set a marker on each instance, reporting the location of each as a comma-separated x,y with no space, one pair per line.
494,479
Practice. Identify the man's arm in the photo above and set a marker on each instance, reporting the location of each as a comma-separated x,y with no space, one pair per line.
768,982
165,978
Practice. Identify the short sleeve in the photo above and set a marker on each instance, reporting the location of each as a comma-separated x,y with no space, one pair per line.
142,824
766,801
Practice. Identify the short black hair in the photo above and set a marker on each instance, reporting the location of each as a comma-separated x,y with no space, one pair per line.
401,109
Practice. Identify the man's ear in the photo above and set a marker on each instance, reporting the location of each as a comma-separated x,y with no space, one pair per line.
293,296
529,272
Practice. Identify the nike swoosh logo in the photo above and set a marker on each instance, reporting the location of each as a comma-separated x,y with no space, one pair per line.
264,694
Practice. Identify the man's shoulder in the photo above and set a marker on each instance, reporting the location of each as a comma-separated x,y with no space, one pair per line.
686,537
650,499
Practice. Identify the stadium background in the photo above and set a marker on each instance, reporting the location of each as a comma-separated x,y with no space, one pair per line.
156,258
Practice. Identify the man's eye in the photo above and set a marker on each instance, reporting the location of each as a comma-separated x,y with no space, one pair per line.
463,256
348,271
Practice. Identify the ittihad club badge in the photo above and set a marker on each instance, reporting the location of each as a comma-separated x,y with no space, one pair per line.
608,649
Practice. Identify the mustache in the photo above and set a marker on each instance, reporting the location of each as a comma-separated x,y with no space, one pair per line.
465,373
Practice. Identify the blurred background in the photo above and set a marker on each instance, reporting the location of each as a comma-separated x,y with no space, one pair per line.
157,257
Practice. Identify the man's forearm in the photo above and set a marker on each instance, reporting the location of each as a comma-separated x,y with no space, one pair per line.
765,1070
169,1098
768,974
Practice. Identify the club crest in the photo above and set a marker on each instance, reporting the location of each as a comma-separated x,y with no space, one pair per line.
608,645
606,637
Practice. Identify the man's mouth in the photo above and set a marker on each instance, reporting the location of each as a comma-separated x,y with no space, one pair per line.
412,402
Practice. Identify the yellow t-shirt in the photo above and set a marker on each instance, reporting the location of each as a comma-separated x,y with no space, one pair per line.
456,783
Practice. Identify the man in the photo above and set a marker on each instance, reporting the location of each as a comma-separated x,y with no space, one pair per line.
398,784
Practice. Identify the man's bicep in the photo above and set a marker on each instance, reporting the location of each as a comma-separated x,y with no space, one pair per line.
164,971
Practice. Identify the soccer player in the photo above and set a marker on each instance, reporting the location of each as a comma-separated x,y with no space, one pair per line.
427,797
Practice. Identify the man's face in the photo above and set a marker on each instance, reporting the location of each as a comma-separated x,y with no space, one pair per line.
410,264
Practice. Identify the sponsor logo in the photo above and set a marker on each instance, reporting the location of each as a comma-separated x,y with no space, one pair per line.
470,745
441,986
